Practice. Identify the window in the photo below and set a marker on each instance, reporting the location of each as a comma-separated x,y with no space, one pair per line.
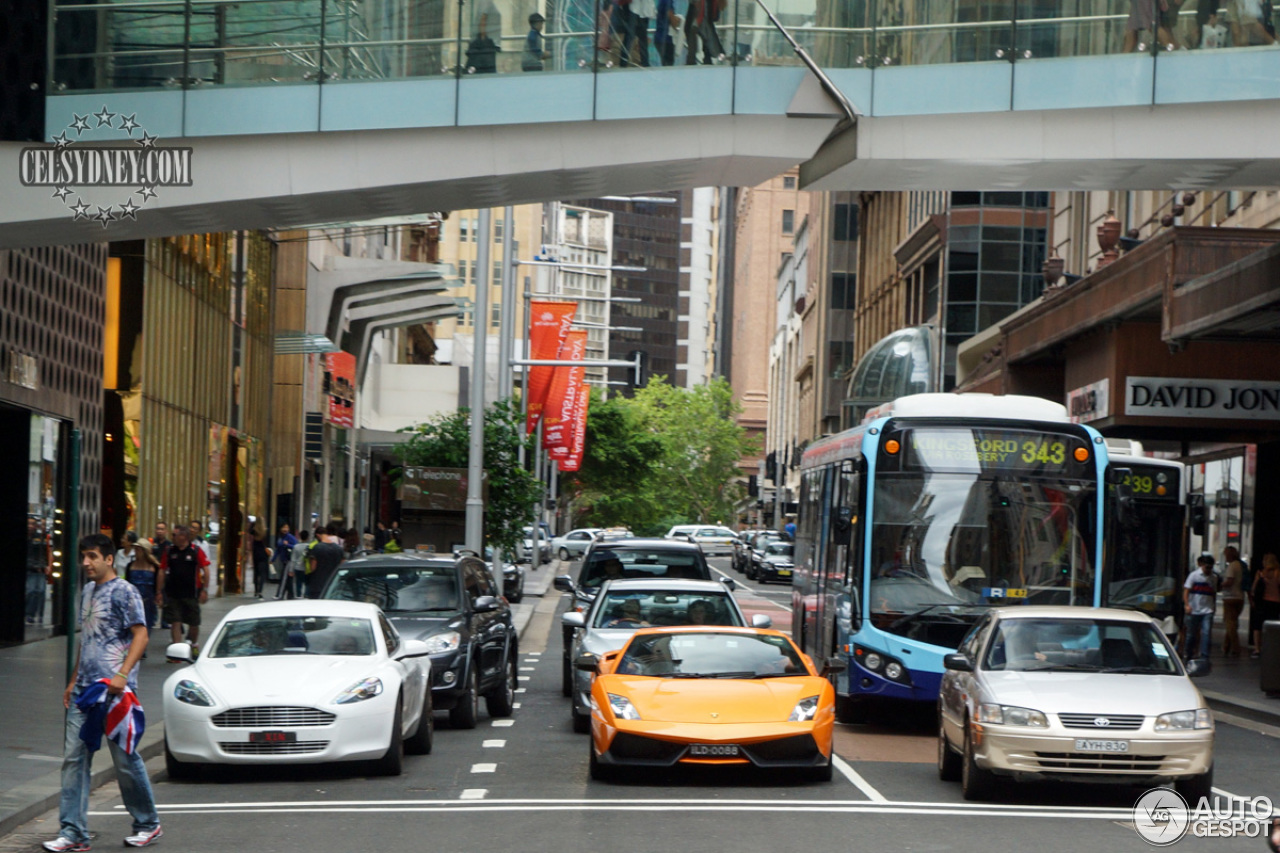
497,230
497,273
495,314
788,221
462,271
844,226
788,182
844,290
464,232
475,229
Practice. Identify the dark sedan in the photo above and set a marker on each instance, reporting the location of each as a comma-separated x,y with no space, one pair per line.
456,608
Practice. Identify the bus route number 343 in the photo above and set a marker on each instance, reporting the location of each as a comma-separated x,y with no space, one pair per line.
1045,451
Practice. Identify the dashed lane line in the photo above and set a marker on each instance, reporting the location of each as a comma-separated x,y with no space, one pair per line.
502,723
484,767
473,793
494,744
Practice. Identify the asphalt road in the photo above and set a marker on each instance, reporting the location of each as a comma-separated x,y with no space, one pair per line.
523,784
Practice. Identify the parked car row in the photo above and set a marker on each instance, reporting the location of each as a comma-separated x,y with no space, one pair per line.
356,675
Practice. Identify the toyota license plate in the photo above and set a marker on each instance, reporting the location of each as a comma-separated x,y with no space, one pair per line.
1087,745
273,737
714,750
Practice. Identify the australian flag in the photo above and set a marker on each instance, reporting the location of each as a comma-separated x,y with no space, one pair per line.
120,717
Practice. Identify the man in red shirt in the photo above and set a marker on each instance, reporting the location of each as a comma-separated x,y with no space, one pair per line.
183,585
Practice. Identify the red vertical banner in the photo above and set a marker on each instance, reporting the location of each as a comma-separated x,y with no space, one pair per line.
340,386
548,325
562,396
573,461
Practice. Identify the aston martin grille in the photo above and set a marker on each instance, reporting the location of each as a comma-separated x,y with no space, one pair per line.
272,717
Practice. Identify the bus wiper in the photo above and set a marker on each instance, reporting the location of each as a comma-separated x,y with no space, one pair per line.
911,617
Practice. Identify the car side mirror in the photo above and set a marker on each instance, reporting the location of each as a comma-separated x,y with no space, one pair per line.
586,663
485,604
564,583
179,653
573,619
957,662
413,649
729,582
760,620
834,666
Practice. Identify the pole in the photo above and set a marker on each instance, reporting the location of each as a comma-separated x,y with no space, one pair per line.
507,320
475,458
71,553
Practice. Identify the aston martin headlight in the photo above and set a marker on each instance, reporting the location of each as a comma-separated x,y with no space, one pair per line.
445,641
622,707
1011,715
1184,720
359,691
191,693
806,709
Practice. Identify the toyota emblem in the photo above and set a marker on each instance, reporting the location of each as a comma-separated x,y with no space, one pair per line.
1101,722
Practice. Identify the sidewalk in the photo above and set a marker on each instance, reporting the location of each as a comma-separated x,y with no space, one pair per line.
35,675
1234,686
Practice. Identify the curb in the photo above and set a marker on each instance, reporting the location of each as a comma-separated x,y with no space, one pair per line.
29,800
1248,709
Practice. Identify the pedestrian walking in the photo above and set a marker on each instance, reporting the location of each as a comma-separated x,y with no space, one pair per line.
1264,599
184,586
1201,592
112,641
295,573
283,553
323,558
136,565
261,558
1232,600
37,571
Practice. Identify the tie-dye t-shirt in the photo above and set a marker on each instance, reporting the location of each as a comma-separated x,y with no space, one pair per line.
107,616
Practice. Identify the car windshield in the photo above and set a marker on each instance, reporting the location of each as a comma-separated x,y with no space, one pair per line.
295,635
963,539
639,609
397,589
612,563
1097,645
779,549
711,655
714,533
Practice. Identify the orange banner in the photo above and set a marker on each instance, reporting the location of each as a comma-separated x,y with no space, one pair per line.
340,385
573,461
562,396
548,324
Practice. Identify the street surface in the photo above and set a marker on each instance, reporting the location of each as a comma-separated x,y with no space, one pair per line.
523,784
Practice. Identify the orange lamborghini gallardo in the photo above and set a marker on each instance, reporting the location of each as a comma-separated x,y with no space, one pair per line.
702,694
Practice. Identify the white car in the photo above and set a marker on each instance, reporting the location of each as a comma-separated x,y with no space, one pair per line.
299,682
573,543
1071,693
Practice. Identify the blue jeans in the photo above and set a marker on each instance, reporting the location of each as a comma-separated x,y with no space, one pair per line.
37,583
77,761
1197,626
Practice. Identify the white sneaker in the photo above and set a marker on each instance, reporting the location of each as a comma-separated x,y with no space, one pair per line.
144,839
62,844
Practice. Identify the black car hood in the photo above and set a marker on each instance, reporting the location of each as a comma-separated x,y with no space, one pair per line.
420,626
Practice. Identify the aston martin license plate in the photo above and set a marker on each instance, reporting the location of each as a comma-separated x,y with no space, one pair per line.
272,737
1088,745
714,750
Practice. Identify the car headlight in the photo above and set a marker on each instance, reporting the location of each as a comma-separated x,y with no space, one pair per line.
893,671
1199,719
874,661
191,693
1011,715
360,691
806,709
622,707
446,641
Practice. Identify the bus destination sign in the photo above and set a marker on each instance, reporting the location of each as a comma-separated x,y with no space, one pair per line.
1152,482
991,450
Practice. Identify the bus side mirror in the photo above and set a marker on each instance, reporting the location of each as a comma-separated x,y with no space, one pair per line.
1198,514
1120,481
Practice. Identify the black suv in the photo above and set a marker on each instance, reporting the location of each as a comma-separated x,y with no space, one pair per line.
627,558
454,606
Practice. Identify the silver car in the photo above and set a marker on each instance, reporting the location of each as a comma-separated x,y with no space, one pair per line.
1070,693
624,606
572,545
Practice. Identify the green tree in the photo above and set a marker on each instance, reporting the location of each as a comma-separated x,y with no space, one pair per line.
444,442
667,455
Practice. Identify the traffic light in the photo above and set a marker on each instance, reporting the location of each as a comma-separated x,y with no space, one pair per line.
753,486
771,466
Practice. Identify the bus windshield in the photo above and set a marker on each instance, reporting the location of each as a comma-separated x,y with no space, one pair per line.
946,543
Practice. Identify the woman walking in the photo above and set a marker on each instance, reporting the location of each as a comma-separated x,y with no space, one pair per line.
1265,599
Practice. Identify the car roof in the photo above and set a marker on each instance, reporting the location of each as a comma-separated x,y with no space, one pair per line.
647,544
667,585
1056,611
710,629
304,607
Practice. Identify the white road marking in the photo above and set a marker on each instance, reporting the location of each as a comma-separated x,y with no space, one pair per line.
34,757
501,723
522,689
533,654
484,767
473,793
515,705
528,669
494,744
856,778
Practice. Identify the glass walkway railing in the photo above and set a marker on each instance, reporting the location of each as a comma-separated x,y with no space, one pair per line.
141,45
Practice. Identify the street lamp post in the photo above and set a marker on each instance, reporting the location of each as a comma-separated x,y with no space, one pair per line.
475,458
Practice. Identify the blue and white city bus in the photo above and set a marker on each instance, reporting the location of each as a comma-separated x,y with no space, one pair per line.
936,507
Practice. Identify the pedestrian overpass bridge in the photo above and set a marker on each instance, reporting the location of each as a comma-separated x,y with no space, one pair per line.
306,111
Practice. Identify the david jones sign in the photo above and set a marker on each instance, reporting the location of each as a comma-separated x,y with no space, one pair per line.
1165,397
